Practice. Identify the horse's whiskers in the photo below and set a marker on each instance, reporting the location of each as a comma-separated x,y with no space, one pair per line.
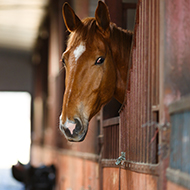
61,70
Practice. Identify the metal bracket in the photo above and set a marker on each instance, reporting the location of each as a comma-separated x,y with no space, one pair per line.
121,159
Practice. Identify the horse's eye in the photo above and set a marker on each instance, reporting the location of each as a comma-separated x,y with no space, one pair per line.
99,61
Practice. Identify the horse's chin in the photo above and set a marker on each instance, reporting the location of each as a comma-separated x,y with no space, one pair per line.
78,138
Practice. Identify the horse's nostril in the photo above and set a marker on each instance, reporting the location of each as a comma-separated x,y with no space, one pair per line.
68,132
71,128
78,126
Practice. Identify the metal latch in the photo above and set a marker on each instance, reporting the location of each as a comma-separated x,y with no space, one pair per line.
121,159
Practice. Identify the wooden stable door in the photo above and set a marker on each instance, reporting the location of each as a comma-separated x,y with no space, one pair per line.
133,134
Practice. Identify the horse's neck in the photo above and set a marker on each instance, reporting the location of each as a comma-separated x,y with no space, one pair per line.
121,46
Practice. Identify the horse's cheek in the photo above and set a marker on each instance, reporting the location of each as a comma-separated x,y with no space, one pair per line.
97,79
111,79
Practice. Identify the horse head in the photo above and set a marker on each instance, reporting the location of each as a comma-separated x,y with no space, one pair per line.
90,70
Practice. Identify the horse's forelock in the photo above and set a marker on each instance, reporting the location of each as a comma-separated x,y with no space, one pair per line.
85,33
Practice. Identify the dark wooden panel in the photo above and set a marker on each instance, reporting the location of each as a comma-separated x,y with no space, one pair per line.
111,142
111,121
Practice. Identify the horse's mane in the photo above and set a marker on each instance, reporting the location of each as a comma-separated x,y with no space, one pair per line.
121,41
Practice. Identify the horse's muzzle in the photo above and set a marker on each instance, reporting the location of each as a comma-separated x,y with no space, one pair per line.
74,131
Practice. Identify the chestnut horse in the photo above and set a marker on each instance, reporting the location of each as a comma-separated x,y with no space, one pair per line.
96,62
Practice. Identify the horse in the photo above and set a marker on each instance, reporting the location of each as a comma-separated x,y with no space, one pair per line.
96,61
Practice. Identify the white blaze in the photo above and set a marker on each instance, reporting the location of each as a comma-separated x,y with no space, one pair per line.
60,120
79,50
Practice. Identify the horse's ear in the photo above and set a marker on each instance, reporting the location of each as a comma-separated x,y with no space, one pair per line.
102,16
71,20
